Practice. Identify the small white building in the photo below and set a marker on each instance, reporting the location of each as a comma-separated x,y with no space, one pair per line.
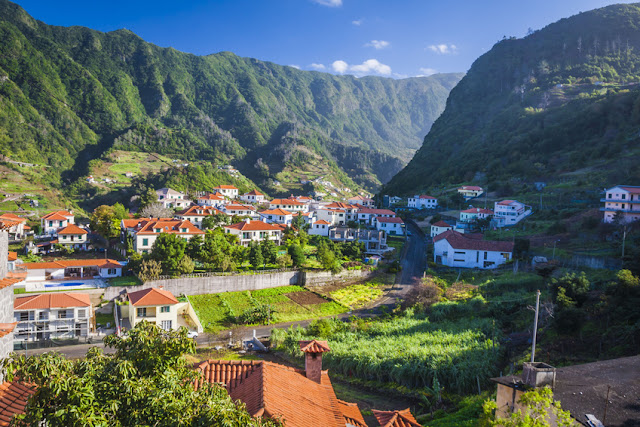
277,216
155,306
253,197
47,316
172,199
439,228
291,204
255,231
196,214
509,212
145,235
226,190
470,191
72,269
52,222
454,249
18,226
240,210
624,199
392,226
366,202
369,216
375,241
215,200
320,228
422,202
73,237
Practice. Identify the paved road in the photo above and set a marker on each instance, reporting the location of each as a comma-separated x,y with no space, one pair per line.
413,264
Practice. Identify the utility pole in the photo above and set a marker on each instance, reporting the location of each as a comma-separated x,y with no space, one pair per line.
624,239
554,249
535,328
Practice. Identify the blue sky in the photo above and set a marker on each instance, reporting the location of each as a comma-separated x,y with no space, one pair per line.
395,38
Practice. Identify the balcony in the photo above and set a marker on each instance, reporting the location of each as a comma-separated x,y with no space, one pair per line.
625,210
620,201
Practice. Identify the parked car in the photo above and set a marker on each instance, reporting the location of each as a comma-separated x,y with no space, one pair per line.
192,334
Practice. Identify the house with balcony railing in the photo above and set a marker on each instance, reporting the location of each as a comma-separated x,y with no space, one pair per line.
624,199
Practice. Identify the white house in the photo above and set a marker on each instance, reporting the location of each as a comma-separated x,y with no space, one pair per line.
255,231
172,199
422,202
624,199
73,237
332,216
253,197
153,305
471,215
52,316
226,190
320,228
375,241
72,269
368,215
290,204
18,230
51,222
470,191
439,228
212,200
367,202
278,216
509,212
240,210
454,249
195,214
393,226
148,232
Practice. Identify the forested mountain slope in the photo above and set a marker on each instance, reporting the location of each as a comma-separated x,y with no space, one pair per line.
563,99
67,95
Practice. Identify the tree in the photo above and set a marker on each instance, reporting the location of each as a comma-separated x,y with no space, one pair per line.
156,210
297,255
150,269
327,258
169,250
269,251
106,220
186,265
215,220
537,406
148,198
194,248
575,286
255,255
146,382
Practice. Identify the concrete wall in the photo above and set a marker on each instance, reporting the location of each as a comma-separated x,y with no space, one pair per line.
4,254
241,282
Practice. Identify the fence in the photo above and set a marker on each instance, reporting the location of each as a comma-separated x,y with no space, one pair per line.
229,273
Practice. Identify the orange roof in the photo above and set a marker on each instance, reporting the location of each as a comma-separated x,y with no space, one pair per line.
291,202
478,211
340,205
376,211
7,328
239,208
506,202
272,390
52,300
225,187
204,211
102,263
13,217
8,281
441,224
465,241
7,223
211,196
72,229
278,211
151,296
173,226
58,215
13,400
253,226
254,193
13,256
394,220
322,221
351,413
314,346
396,418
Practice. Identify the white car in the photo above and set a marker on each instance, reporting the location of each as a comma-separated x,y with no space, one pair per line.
192,334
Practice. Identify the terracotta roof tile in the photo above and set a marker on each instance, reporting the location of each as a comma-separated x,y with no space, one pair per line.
151,296
254,193
291,202
7,328
376,211
225,187
7,223
322,222
506,202
72,229
314,346
393,220
9,281
426,197
253,226
200,211
102,263
239,208
341,205
52,300
13,217
351,413
58,215
441,224
478,211
13,400
402,418
277,211
13,256
631,189
460,241
173,226
211,196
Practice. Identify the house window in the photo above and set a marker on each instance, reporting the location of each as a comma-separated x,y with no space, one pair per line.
25,315
82,313
610,195
142,312
50,223
486,254
158,230
145,242
165,309
65,314
64,237
184,230
166,325
111,271
43,315
624,196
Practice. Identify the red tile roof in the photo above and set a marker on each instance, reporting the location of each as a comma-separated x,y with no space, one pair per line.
173,226
7,328
376,211
314,346
441,224
351,413
72,229
506,202
254,193
460,241
13,400
478,211
7,223
58,215
200,211
272,390
13,217
470,188
225,187
254,225
322,222
393,220
151,296
52,300
402,418
239,208
340,205
426,197
9,281
211,197
101,263
631,189
13,256
277,211
291,202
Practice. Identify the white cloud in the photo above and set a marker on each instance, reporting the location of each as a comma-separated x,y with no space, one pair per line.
370,66
357,22
427,72
443,49
378,44
317,66
329,3
297,67
340,66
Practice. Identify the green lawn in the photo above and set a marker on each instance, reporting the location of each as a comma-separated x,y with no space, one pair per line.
219,311
104,318
125,281
359,295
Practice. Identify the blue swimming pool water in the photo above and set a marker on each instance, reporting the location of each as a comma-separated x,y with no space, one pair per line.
66,284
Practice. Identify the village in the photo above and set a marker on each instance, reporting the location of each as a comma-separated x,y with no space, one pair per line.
181,261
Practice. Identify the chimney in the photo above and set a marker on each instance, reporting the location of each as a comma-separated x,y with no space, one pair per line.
247,220
538,374
313,358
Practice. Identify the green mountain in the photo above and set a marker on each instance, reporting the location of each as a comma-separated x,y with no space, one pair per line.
70,95
563,100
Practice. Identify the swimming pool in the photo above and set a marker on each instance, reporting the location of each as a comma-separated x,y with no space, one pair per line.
65,285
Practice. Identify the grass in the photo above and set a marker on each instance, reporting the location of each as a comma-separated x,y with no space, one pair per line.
124,281
104,318
219,311
17,291
359,295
